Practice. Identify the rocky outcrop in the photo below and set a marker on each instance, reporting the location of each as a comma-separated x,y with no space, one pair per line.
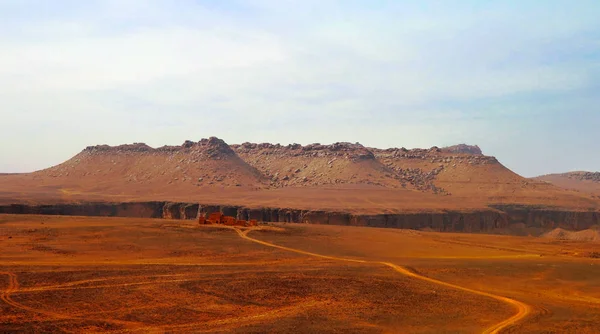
354,152
135,147
435,155
497,217
212,148
180,211
463,148
418,178
215,147
584,176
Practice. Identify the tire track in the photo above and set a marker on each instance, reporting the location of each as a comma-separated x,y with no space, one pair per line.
523,310
235,321
473,244
13,286
74,284
229,323
104,286
137,262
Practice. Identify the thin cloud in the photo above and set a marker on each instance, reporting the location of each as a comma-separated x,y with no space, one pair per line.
386,74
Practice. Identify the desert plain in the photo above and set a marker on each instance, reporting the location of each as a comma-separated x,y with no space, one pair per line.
132,275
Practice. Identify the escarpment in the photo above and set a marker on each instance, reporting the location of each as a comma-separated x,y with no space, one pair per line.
493,219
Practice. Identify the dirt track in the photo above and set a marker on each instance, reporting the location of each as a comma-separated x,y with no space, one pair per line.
13,286
523,310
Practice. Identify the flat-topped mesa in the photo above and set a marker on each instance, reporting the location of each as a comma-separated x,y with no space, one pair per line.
354,152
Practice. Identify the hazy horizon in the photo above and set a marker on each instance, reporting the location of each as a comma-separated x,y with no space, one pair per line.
519,79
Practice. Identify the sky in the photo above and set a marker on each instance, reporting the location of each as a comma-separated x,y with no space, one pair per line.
521,79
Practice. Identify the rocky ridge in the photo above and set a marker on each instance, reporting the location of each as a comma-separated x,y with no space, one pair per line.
354,152
212,162
435,155
325,165
213,148
584,176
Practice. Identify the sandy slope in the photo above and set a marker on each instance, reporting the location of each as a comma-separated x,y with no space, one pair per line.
318,165
592,235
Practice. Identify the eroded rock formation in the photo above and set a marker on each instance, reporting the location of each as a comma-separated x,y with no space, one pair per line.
463,148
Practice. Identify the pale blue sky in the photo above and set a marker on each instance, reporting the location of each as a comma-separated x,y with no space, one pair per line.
519,78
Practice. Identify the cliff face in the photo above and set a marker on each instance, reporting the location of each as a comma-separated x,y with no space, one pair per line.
500,217
548,218
141,210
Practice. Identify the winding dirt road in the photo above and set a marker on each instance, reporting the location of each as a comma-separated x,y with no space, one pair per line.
523,310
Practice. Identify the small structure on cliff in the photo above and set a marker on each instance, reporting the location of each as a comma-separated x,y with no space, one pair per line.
219,218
